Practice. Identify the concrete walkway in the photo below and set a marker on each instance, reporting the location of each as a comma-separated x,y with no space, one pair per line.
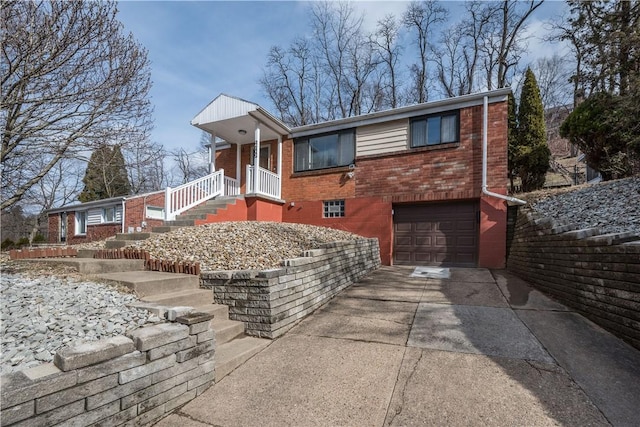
474,348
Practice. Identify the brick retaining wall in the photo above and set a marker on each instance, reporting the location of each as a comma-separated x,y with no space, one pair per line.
597,275
270,302
115,380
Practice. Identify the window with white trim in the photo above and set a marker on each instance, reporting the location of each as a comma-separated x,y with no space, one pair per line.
154,212
109,214
435,129
324,151
81,223
333,209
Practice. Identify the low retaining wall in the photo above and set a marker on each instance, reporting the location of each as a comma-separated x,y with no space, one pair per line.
270,302
597,275
116,380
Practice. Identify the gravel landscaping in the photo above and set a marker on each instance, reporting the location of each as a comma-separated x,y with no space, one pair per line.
47,307
613,206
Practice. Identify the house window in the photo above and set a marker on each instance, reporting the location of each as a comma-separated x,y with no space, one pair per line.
333,209
434,130
109,214
81,223
154,212
324,151
265,157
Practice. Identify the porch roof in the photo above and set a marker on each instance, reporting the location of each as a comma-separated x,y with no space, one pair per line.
227,117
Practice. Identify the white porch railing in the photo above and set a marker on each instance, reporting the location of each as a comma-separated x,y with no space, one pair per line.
186,196
231,186
269,182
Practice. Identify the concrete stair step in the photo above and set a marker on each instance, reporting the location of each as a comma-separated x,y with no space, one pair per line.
189,297
98,266
133,236
219,311
192,216
180,223
227,330
154,283
234,353
164,228
117,244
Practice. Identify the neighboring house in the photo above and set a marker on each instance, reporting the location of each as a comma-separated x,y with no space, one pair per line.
86,222
414,177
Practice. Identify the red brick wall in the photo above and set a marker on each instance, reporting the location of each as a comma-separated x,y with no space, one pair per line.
54,228
263,210
369,217
94,232
226,159
135,211
237,212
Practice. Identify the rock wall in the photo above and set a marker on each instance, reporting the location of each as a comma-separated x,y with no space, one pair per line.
135,379
596,274
270,302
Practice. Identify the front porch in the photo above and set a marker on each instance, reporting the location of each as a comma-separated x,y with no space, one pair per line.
250,141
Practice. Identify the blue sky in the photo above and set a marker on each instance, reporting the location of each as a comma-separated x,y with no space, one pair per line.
199,49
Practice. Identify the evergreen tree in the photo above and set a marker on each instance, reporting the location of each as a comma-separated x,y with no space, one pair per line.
106,175
531,155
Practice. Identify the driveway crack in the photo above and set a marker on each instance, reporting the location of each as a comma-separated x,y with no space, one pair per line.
400,407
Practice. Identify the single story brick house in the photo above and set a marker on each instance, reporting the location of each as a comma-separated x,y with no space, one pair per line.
428,180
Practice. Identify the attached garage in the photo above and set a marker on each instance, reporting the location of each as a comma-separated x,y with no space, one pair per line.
436,234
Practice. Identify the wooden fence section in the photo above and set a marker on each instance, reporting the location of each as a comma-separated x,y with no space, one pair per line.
150,264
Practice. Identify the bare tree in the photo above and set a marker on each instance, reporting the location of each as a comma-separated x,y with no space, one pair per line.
189,165
553,80
389,49
145,165
420,18
70,80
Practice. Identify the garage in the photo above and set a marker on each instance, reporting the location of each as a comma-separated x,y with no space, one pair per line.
436,234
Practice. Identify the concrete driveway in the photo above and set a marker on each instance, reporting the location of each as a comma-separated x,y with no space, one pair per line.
431,347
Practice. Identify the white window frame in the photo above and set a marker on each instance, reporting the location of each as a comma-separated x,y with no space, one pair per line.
104,216
333,209
159,212
78,223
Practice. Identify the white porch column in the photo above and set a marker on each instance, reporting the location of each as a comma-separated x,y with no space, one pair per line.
212,154
256,160
238,171
279,167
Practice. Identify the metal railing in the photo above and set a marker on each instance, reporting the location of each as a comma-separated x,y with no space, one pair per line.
186,196
269,182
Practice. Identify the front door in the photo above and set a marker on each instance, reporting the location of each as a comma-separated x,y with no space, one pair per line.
265,157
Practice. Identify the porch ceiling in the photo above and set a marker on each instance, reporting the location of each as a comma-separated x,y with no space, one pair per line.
227,116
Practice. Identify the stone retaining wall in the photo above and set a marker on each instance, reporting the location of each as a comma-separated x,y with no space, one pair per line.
597,275
270,302
118,380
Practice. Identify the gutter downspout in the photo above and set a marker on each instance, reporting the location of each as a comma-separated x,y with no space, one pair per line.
485,122
124,201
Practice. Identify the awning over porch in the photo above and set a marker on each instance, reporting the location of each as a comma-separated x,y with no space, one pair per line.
234,120
241,122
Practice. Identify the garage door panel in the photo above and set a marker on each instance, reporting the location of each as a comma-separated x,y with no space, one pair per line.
436,234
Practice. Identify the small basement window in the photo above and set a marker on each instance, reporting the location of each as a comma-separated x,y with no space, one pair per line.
154,212
333,209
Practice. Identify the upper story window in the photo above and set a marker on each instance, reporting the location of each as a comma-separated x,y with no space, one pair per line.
109,214
324,151
436,129
81,223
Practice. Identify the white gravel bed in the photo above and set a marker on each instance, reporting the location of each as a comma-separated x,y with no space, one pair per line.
613,206
40,315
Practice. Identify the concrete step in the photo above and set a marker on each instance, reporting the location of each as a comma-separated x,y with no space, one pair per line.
219,311
164,228
86,253
227,330
178,223
189,297
97,266
133,236
154,283
234,353
116,244
192,216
